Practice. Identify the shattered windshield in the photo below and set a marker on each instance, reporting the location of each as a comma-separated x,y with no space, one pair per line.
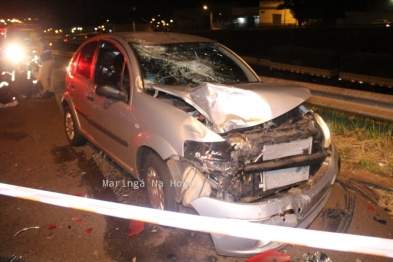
191,64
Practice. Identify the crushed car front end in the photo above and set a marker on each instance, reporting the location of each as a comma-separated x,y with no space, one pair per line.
285,183
279,172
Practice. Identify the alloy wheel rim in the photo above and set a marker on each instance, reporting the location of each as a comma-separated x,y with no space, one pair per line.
155,190
69,124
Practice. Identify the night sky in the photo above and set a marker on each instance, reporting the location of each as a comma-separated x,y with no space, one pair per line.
85,12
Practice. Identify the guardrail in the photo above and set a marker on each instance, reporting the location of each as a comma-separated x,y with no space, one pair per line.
368,104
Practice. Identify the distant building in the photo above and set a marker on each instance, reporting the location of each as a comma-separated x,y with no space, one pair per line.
269,15
245,17
232,15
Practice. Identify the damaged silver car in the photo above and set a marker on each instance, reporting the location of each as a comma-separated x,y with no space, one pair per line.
192,120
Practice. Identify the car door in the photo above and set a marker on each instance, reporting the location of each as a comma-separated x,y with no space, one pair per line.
79,80
109,117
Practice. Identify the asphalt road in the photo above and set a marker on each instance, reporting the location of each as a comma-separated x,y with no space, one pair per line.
34,153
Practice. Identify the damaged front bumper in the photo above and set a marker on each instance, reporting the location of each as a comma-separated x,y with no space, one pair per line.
298,207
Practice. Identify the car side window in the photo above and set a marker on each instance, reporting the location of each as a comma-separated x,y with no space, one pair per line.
111,68
85,59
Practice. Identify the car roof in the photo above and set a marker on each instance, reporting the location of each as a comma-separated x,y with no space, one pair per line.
154,38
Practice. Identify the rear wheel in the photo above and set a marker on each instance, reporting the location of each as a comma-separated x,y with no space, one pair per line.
71,129
160,191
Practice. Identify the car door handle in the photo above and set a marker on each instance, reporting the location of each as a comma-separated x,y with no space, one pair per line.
90,97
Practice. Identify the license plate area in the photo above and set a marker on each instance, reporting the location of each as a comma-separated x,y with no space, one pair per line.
287,176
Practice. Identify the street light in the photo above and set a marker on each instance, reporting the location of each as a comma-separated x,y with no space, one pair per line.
205,7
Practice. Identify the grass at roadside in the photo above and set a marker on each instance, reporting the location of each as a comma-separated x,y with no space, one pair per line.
364,144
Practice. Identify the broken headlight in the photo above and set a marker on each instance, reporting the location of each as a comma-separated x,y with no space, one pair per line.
325,129
209,157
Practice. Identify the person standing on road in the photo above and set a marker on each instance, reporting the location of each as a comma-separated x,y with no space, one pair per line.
46,76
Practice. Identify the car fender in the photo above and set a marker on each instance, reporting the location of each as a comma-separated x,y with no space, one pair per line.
163,128
154,141
67,101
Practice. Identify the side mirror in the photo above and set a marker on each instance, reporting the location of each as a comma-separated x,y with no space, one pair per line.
111,92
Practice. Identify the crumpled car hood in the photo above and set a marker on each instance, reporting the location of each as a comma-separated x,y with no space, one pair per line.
229,107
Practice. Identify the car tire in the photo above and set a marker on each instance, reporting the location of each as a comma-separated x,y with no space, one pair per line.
159,190
71,129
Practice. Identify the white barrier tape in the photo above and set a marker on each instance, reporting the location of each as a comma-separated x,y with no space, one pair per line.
232,227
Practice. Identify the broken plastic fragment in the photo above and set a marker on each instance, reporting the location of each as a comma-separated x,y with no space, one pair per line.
24,229
321,257
78,193
51,226
77,219
269,256
318,257
89,230
371,208
379,220
136,227
154,229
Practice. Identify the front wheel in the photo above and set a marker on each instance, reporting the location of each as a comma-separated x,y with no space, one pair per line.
71,129
160,189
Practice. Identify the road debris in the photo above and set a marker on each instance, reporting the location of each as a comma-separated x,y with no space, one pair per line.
24,229
359,187
88,231
371,208
317,257
270,256
379,220
338,219
136,227
77,219
52,226
154,229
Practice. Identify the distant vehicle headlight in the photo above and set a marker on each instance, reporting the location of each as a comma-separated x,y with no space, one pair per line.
15,53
